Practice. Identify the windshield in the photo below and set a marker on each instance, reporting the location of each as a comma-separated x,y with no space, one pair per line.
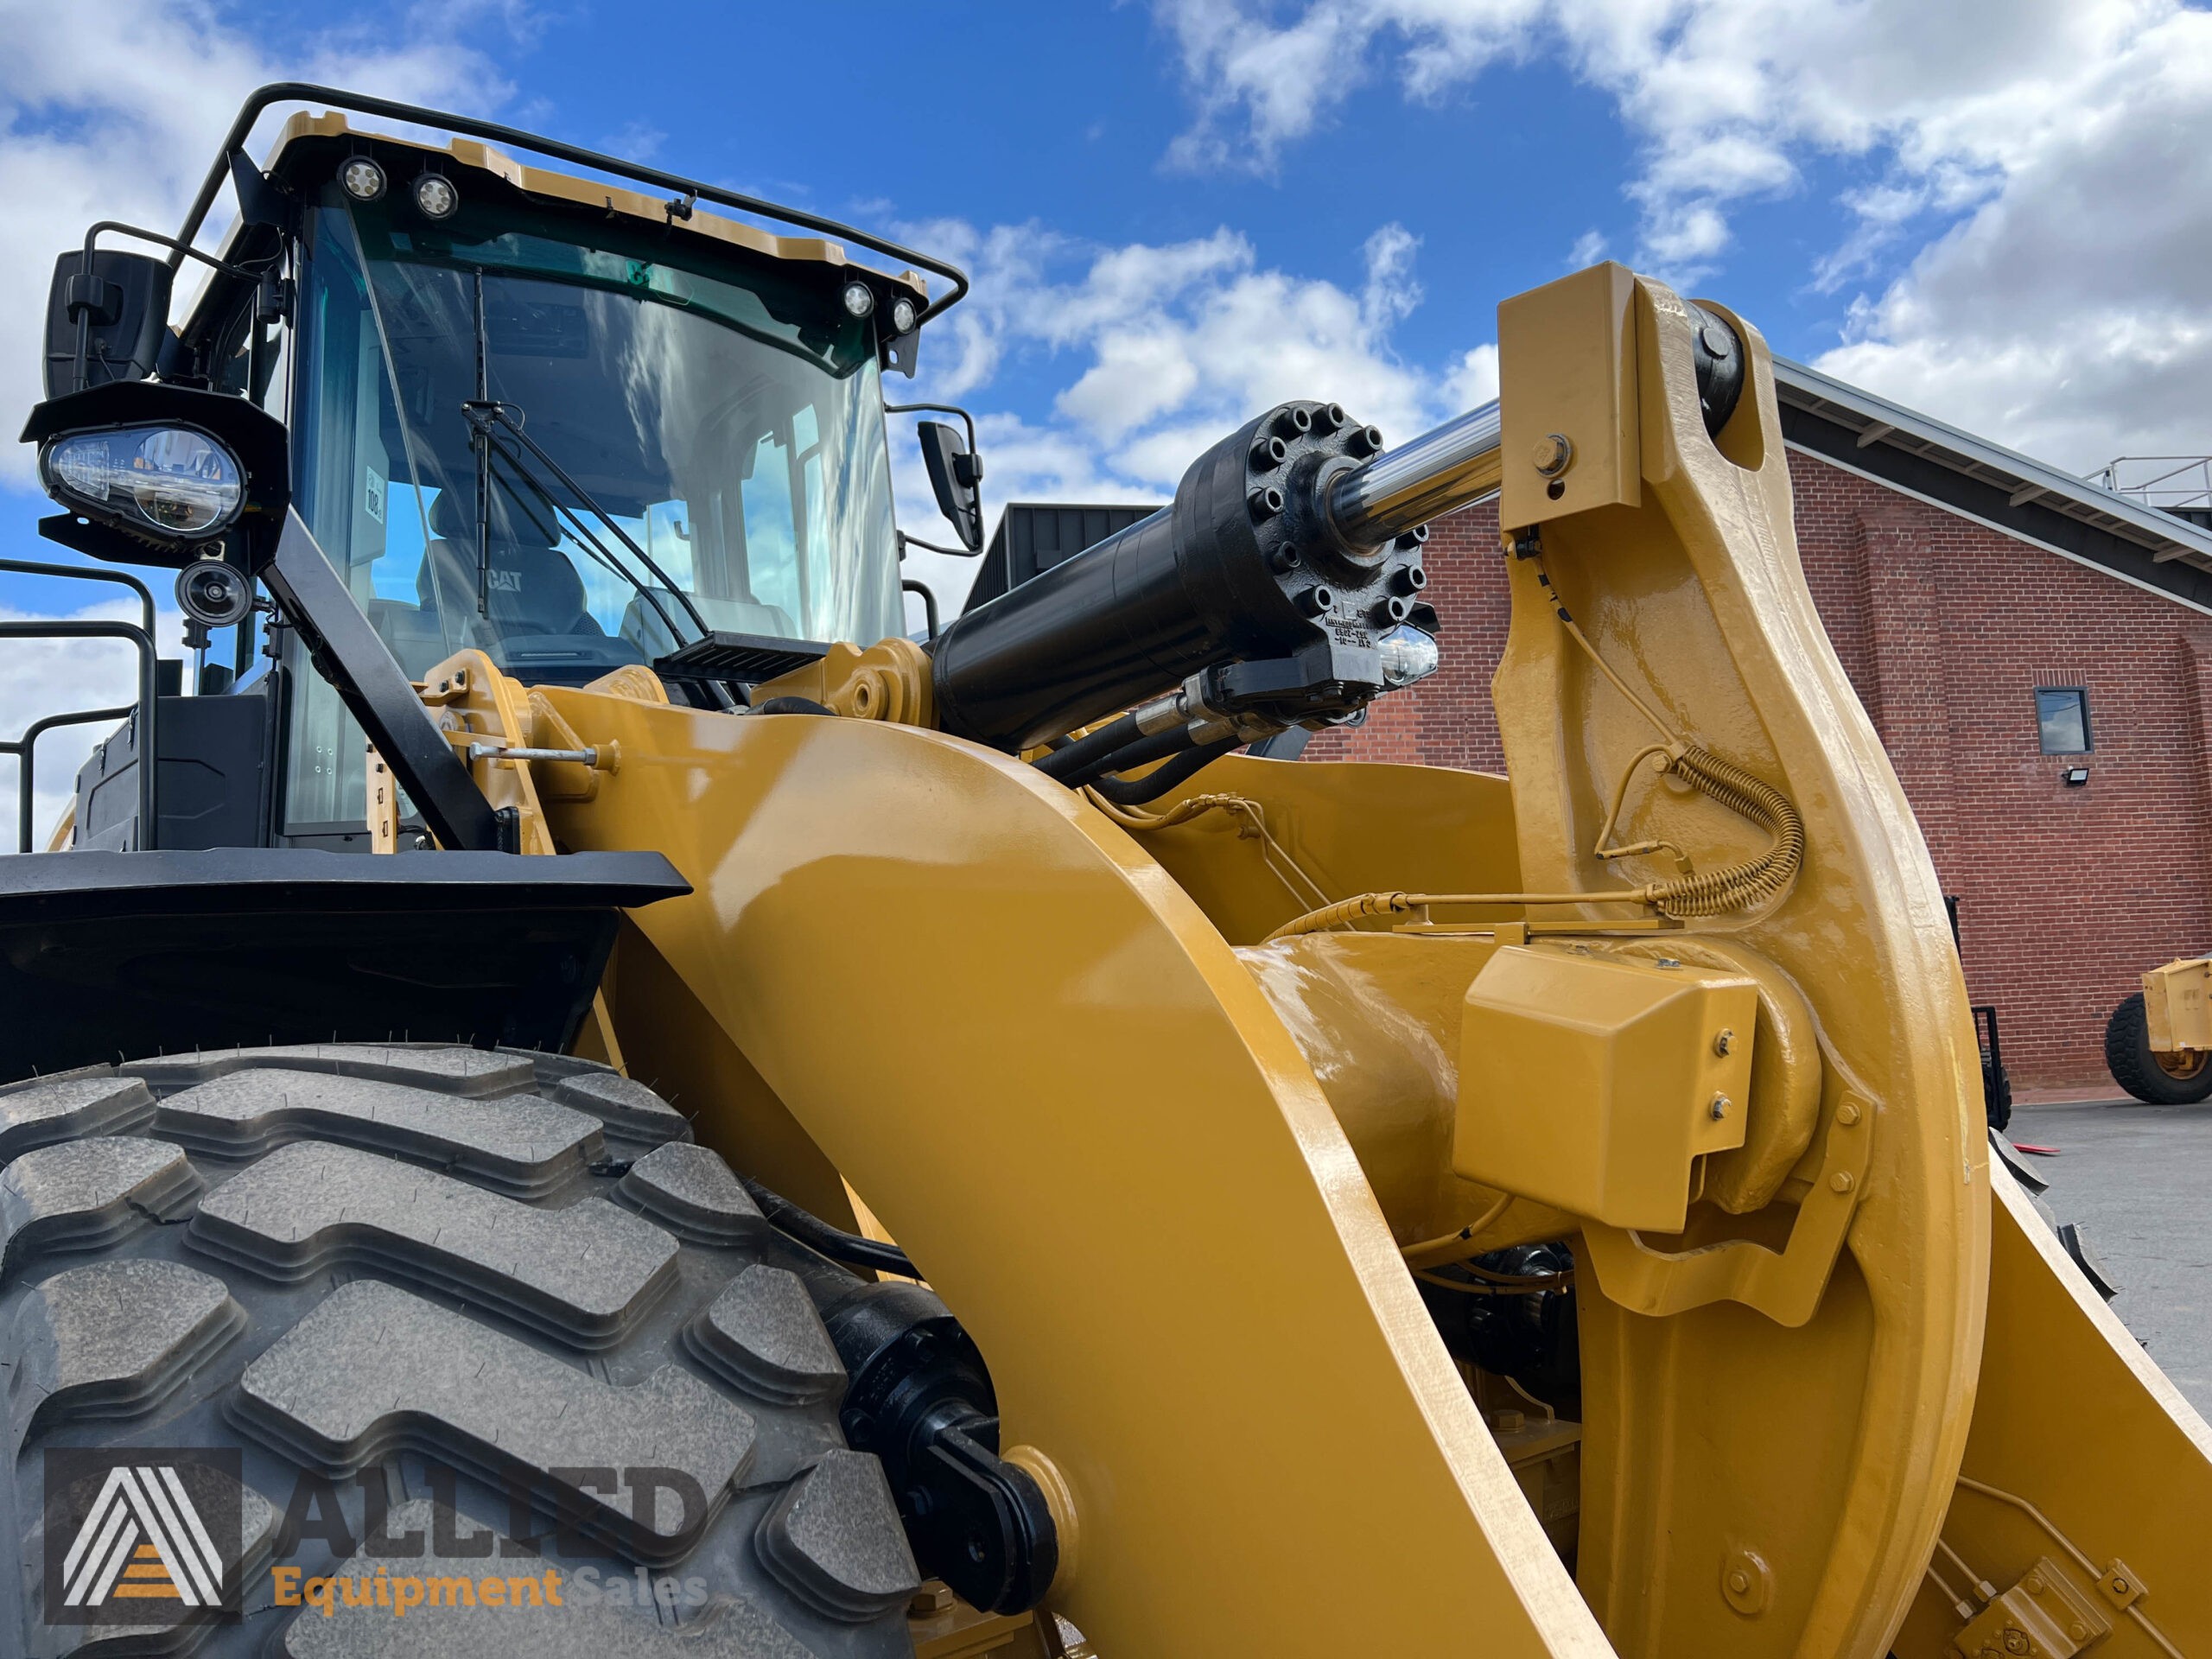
575,457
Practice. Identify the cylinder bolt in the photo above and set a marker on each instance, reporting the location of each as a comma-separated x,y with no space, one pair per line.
1268,455
1285,559
1366,441
1555,454
1265,502
1293,421
1390,611
1414,537
1329,417
1409,579
1316,601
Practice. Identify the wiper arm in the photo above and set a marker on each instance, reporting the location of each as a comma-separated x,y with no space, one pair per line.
591,544
486,413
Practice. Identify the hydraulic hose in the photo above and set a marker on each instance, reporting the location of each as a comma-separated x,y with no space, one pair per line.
1135,792
1100,745
820,1236
1158,746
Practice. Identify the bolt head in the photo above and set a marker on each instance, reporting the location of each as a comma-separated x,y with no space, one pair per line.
1724,1042
1719,1107
1739,1581
1842,1180
1553,454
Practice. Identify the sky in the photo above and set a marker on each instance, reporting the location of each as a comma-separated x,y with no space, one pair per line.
1177,213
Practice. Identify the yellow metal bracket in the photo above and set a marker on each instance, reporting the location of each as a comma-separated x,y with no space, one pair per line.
1785,1285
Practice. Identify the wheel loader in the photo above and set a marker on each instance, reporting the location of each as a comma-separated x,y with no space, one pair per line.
2158,1043
586,1091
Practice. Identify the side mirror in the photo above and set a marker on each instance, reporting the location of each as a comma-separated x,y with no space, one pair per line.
957,477
105,322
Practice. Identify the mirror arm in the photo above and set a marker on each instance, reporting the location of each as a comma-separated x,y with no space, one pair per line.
966,419
906,541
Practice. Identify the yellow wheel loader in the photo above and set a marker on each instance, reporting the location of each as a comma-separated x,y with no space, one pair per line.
2158,1041
587,1093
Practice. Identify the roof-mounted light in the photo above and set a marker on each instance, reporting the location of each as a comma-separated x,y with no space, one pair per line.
860,299
363,179
903,316
436,196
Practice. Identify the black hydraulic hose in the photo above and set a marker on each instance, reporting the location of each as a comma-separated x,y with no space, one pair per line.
1158,746
1098,745
1135,792
821,1237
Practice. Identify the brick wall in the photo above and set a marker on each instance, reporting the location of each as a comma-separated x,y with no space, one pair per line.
1946,628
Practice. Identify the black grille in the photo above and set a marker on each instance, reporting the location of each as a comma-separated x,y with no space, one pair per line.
737,658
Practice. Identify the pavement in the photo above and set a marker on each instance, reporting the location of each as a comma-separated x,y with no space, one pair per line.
2137,1181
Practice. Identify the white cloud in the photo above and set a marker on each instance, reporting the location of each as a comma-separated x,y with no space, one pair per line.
2048,158
1160,351
40,677
116,111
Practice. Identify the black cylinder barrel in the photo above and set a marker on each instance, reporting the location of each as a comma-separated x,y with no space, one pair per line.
1242,567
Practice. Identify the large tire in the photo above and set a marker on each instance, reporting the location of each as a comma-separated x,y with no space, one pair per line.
2136,1065
400,1279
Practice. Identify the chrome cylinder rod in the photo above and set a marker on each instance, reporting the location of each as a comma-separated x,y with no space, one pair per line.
1456,464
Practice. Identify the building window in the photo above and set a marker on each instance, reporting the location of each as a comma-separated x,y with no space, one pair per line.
2062,718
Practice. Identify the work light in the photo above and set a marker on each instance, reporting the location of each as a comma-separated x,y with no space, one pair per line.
170,481
363,179
860,299
902,315
436,196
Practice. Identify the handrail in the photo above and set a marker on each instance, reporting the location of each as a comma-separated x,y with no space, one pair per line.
148,753
23,747
85,573
690,190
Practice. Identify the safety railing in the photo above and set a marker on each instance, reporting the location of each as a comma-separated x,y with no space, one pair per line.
2174,482
146,708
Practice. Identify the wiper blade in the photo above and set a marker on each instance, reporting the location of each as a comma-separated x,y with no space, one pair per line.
591,544
485,414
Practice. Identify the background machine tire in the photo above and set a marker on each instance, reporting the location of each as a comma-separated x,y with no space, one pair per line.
408,1281
2137,1068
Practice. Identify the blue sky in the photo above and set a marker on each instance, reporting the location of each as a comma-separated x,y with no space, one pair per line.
1177,212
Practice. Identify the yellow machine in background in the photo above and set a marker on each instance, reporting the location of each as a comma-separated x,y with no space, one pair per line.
1239,1112
2159,1042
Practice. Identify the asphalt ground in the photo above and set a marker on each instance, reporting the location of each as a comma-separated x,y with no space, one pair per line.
2137,1181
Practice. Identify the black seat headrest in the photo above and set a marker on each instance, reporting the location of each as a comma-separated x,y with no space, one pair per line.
530,587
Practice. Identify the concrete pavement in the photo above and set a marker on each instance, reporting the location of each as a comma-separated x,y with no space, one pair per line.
2137,1179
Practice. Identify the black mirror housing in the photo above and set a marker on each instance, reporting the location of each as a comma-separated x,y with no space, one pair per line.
118,311
956,477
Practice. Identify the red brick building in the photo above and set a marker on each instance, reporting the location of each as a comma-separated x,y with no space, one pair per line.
1958,579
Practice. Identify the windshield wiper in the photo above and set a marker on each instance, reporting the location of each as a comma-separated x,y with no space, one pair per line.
483,415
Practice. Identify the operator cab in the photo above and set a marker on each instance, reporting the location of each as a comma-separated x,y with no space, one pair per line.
569,439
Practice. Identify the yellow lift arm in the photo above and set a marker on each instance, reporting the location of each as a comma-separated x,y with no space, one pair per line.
1173,1104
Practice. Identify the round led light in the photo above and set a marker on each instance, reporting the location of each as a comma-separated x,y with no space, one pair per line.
860,299
902,316
169,480
436,197
363,179
1408,655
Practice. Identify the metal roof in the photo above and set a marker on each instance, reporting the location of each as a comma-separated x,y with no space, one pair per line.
2009,491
